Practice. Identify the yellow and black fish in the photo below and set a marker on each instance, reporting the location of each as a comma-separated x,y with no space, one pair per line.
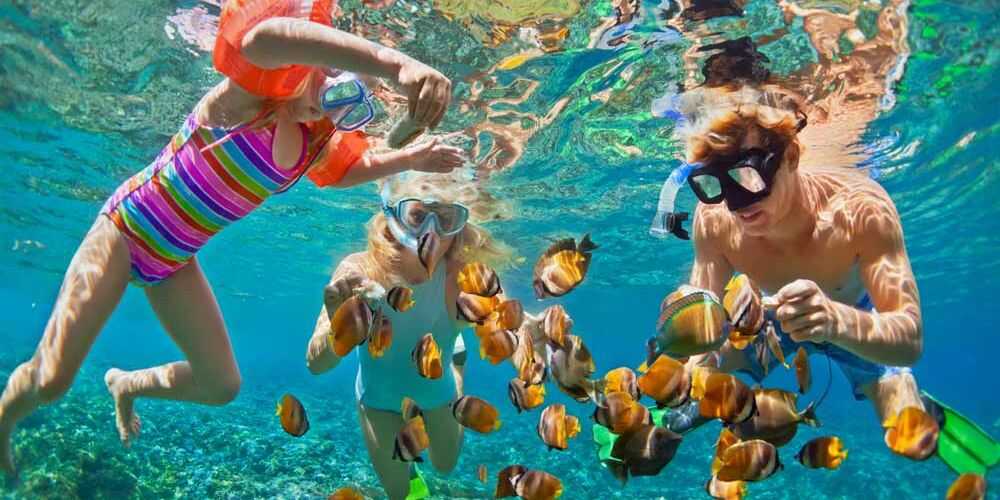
516,480
968,486
530,367
351,325
912,433
802,372
400,298
571,367
511,314
427,250
621,379
426,355
691,322
498,346
474,308
822,452
776,418
476,414
381,337
774,344
643,451
556,428
742,302
292,415
726,398
556,325
726,490
479,279
753,460
726,439
620,413
412,439
524,396
666,382
562,267
346,493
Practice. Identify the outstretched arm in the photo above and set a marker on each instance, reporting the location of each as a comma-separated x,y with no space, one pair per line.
894,334
430,156
283,41
349,275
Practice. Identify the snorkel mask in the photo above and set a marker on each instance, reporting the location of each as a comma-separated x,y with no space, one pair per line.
411,219
346,100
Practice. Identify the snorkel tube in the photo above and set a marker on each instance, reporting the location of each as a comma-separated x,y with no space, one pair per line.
666,221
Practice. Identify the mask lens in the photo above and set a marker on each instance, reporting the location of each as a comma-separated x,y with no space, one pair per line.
749,178
709,186
356,116
452,217
412,214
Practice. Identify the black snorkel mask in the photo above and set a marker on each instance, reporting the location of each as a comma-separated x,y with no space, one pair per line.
741,180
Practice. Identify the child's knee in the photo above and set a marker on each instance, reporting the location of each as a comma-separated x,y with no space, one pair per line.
224,389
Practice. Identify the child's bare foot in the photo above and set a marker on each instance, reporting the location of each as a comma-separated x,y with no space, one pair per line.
7,455
126,419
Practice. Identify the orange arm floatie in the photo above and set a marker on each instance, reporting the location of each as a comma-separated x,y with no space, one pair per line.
343,150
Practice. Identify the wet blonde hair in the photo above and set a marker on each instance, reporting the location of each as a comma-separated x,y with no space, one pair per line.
718,119
473,244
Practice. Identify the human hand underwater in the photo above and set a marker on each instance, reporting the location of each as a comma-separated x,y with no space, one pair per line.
342,289
805,312
428,92
434,157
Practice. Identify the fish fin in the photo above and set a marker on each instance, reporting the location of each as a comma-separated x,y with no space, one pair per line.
560,245
497,425
809,415
277,411
890,421
586,245
643,368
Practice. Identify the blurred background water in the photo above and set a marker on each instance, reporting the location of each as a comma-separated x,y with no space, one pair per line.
553,98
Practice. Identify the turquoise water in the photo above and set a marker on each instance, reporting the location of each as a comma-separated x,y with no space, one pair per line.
564,143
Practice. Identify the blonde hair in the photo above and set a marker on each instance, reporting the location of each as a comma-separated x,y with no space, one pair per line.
719,118
473,244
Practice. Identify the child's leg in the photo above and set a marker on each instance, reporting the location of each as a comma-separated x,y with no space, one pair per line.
188,312
91,289
379,429
446,438
893,392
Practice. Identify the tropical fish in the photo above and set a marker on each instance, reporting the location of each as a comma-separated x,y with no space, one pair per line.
498,346
666,382
571,366
620,413
802,373
968,486
525,397
699,378
426,355
292,415
482,474
476,414
726,398
822,452
530,367
537,485
621,379
777,417
556,324
691,322
505,480
400,298
346,494
412,439
742,302
725,440
474,308
427,248
351,325
381,338
753,460
556,428
511,314
477,278
643,451
726,490
774,344
562,267
912,433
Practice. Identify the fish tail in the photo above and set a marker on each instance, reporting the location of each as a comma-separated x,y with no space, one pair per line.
809,415
277,411
497,425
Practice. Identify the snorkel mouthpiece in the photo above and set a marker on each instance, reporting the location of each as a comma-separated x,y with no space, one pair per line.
666,221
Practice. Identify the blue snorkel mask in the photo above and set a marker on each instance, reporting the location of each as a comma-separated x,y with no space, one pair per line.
346,100
411,218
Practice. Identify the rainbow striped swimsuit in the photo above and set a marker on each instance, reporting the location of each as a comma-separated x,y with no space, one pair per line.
171,208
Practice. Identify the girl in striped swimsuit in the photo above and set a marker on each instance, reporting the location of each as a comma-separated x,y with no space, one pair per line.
278,115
